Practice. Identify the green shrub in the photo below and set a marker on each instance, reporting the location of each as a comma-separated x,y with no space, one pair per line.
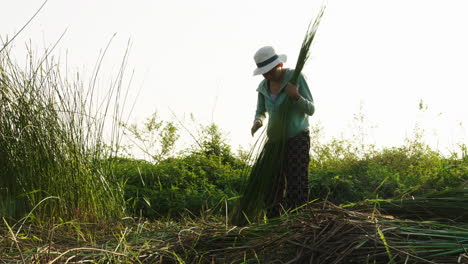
174,185
340,174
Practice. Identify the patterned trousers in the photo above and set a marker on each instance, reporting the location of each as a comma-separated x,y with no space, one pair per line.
296,168
292,190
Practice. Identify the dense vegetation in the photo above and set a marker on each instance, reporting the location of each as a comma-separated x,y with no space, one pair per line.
63,176
52,143
340,172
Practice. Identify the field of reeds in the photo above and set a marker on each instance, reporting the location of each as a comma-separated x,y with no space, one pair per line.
70,193
52,143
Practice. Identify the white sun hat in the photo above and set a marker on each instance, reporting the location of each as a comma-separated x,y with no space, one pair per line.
266,59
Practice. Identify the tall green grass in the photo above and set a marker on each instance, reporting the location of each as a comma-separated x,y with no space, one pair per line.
52,131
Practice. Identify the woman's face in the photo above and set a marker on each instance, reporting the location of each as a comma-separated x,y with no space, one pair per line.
275,73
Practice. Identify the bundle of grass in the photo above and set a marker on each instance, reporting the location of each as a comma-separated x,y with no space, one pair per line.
445,206
425,241
323,233
52,149
263,184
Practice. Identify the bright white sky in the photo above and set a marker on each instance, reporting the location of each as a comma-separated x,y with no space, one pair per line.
197,57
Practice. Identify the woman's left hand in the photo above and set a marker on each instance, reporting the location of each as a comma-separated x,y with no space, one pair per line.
292,90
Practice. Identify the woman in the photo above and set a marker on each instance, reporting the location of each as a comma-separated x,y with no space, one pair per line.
273,93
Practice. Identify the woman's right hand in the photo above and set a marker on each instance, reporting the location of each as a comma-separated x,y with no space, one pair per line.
257,124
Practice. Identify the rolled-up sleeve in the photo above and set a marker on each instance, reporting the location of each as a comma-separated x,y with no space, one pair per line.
260,112
305,101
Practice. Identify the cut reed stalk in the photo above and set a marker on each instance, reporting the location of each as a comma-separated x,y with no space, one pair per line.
445,206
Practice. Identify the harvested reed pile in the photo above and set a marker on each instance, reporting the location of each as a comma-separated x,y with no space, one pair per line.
446,206
319,233
324,233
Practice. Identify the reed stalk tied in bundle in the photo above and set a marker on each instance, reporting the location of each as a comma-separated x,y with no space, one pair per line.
445,206
264,181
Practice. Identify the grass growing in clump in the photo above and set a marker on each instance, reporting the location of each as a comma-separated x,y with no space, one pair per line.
52,142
